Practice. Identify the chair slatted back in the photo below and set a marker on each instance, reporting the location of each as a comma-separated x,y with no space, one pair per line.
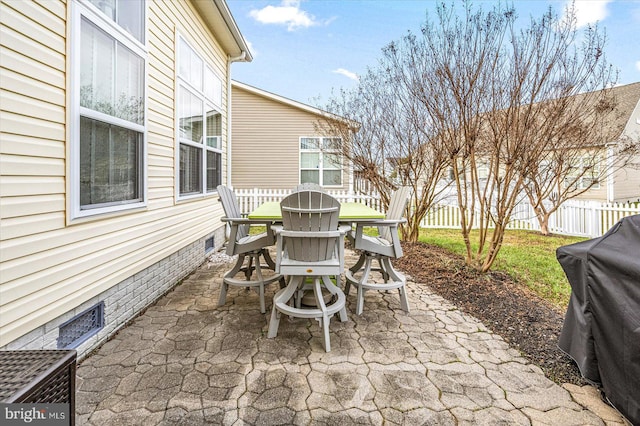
231,209
397,205
310,212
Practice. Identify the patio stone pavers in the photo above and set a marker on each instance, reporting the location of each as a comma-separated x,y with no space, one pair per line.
188,361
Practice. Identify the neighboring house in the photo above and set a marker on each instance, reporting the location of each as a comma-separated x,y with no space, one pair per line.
624,184
114,130
623,125
275,144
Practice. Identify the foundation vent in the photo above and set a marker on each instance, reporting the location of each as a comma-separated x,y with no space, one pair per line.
81,327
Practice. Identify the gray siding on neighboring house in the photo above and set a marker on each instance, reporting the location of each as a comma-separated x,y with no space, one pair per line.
627,184
265,137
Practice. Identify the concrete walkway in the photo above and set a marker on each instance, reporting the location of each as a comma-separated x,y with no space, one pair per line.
188,362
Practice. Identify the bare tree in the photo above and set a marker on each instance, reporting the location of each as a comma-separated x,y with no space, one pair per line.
387,142
588,145
489,101
483,83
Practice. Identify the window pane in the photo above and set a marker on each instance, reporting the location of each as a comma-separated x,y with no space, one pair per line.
331,161
190,67
214,170
131,18
109,163
212,86
309,160
129,13
190,170
97,57
100,56
184,58
190,116
214,129
331,177
108,7
309,143
332,143
129,86
312,176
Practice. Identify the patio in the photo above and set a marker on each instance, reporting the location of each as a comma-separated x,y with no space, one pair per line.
188,361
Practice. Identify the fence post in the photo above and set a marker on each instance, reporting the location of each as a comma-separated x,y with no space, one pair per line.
595,220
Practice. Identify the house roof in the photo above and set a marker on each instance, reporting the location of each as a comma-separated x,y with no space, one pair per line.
628,98
219,20
278,98
290,102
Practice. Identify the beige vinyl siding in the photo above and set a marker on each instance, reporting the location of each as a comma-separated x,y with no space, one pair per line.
266,141
627,184
49,265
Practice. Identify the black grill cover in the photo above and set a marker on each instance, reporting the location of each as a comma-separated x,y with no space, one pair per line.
601,330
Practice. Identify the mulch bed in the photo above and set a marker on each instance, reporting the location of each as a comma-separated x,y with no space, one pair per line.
526,321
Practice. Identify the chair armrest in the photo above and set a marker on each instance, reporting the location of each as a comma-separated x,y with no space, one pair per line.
344,229
381,222
309,234
247,221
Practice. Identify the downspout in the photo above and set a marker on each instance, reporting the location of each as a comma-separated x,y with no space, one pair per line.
610,177
231,60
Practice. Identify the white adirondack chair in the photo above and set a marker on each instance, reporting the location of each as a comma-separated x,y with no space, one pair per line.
247,247
383,248
310,250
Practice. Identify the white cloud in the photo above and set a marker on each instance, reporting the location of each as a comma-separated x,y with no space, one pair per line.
590,11
638,65
288,13
347,73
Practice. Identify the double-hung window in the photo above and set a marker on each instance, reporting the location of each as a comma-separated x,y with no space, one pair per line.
584,173
199,120
108,83
321,161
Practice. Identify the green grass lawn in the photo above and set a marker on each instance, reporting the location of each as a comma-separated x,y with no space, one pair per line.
527,256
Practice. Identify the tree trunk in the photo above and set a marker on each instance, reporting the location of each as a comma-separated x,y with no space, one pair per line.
544,224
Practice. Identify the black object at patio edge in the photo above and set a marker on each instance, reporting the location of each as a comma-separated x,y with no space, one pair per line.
601,329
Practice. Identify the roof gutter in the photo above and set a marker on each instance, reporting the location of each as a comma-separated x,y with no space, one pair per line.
241,58
225,13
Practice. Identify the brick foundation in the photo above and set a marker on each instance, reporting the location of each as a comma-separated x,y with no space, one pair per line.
125,300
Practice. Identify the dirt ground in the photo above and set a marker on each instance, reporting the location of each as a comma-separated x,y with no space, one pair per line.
527,322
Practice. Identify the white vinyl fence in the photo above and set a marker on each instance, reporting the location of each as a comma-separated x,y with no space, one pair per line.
250,199
574,217
578,218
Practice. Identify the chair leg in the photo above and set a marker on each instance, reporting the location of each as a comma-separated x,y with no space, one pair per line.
398,277
263,307
325,331
274,322
249,270
361,288
267,258
230,274
333,289
317,289
281,296
223,293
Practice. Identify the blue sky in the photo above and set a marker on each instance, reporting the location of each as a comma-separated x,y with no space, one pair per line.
304,49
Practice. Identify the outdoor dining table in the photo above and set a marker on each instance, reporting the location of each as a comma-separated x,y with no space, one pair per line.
349,212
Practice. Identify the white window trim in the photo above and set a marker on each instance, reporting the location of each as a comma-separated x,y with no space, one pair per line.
319,150
81,8
208,103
